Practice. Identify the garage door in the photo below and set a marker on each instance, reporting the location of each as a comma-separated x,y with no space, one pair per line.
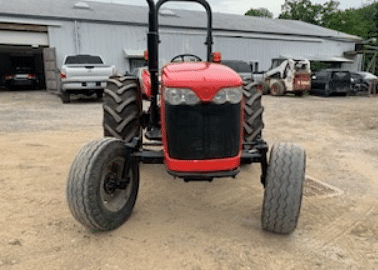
23,38
23,34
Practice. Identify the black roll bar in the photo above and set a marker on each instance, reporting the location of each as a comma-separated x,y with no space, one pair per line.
153,50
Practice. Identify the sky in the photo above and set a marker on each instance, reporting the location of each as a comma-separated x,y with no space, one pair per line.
240,7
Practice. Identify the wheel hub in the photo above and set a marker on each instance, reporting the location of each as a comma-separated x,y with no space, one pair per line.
112,183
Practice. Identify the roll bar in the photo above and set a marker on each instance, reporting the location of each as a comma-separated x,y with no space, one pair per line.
153,50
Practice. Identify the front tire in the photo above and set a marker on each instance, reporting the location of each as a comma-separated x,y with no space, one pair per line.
277,89
92,195
253,111
122,108
283,188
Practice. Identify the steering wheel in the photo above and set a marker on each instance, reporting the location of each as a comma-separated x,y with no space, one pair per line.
194,58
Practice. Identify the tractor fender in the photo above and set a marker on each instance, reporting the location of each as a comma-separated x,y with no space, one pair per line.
145,83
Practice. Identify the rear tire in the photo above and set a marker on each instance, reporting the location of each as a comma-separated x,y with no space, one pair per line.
299,93
122,108
277,89
263,88
65,97
91,201
283,188
99,94
253,111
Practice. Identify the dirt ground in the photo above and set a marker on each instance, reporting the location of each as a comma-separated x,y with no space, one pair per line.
191,226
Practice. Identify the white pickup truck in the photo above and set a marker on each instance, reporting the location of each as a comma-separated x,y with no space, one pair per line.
83,74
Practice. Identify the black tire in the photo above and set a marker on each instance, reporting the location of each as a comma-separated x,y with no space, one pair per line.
90,202
253,111
99,94
122,108
65,97
327,91
263,88
283,188
277,89
299,93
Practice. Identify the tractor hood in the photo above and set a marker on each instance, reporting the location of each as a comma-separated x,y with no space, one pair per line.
206,79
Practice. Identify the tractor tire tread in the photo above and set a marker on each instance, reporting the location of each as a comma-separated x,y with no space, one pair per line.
253,111
122,108
284,188
81,190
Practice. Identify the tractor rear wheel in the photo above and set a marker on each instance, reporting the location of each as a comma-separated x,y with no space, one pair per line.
253,111
283,188
122,108
277,89
97,194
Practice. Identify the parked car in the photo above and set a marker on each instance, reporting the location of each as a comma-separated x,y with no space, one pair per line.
331,81
241,67
84,74
21,77
363,81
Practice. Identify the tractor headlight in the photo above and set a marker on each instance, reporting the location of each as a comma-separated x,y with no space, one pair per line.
233,95
177,96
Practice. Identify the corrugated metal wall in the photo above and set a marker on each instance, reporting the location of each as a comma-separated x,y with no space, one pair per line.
110,41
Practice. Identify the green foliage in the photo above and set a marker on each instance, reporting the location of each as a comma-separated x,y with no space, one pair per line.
361,22
304,10
260,12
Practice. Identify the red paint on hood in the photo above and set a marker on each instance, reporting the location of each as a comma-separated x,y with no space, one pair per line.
205,79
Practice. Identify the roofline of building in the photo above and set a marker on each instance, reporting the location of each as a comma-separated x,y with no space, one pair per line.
55,18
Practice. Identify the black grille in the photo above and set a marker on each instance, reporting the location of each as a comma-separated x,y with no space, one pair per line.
203,131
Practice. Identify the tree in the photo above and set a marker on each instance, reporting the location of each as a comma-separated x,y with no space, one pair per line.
359,22
304,10
260,12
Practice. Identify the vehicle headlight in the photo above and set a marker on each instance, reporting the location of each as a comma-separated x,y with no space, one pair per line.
233,95
177,96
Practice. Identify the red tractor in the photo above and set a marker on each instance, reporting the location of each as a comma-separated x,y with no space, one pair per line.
207,124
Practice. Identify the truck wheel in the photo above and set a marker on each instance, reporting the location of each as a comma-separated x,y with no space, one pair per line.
97,195
283,188
277,89
253,111
65,97
299,93
122,108
99,94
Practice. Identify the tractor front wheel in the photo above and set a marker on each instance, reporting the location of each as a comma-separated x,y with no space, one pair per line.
122,108
253,111
98,194
283,188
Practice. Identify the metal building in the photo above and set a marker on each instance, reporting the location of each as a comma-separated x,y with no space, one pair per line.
42,32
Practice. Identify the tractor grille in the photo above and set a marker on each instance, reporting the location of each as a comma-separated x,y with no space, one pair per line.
203,131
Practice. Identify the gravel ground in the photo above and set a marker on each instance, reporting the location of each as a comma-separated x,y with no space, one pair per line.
177,225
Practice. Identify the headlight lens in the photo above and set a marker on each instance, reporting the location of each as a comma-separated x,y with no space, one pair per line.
177,96
232,95
221,97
